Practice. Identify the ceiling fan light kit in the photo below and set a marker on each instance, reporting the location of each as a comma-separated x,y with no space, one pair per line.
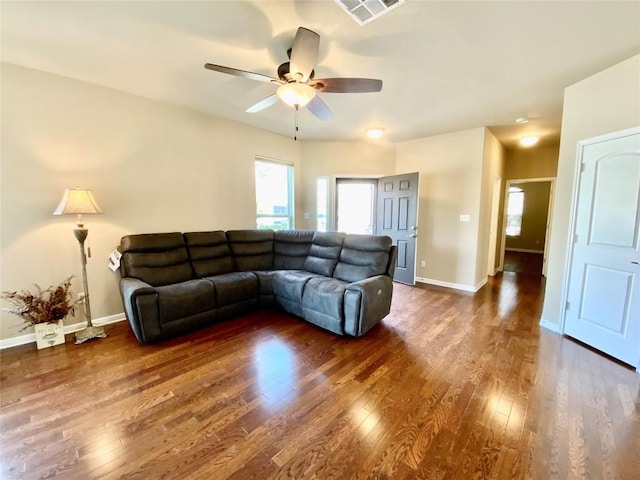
296,94
298,87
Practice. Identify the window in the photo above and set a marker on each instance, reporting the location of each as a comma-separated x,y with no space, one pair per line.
322,190
515,207
355,205
274,195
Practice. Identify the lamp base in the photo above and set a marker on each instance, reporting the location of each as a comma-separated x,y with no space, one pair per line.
89,333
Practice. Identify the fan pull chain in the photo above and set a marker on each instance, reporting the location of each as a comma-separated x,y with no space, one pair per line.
295,134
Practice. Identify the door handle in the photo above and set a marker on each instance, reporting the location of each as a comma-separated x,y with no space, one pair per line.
413,235
636,263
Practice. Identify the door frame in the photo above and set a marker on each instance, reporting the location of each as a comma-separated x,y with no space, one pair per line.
493,230
503,239
574,210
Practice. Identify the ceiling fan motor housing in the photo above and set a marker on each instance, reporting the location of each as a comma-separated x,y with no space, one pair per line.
284,73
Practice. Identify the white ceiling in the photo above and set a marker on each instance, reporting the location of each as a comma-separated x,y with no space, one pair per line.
446,65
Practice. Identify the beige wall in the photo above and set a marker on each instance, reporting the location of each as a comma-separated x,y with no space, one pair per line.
488,238
330,159
156,167
450,168
152,167
534,162
606,102
534,217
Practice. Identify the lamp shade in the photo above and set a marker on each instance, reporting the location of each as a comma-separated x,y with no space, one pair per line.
77,201
296,94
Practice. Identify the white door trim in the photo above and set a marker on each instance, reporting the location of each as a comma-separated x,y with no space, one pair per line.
574,207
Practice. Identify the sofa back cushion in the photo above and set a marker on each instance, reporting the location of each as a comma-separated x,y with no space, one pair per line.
363,256
290,249
251,249
209,253
155,258
324,253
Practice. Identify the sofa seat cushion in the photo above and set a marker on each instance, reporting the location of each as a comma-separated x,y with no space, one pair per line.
323,303
236,287
185,299
289,284
265,281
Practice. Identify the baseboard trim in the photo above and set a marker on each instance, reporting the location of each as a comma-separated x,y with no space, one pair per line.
455,286
523,250
554,327
74,327
495,272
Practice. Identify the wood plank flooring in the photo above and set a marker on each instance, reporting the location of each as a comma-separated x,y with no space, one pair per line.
451,386
523,262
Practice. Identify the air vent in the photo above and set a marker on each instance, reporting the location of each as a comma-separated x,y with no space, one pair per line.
364,11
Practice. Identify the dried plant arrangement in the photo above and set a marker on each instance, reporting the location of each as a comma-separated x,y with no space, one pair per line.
43,306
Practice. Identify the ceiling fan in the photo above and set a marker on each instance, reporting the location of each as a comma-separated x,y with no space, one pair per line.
298,87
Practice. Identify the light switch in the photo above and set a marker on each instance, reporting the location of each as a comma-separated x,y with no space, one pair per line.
465,218
306,215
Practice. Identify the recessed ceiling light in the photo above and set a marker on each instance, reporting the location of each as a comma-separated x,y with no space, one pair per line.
528,141
375,132
522,120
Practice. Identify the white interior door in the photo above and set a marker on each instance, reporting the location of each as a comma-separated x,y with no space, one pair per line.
603,307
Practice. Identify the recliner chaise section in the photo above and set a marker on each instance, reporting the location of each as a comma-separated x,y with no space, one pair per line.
174,283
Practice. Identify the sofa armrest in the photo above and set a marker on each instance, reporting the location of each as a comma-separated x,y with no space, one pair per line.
366,303
140,302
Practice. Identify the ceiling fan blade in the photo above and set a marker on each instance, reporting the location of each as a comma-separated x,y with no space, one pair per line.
347,85
262,104
241,73
304,54
319,109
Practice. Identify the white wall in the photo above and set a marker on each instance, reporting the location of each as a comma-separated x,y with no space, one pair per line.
450,168
152,167
606,102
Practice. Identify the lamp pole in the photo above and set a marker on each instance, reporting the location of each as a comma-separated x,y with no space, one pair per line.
90,331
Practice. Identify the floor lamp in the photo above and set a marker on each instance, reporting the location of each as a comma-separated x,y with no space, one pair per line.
80,201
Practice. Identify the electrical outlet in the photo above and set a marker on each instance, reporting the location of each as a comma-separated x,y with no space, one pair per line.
423,263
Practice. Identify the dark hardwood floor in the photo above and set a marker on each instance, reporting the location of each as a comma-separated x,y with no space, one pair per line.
451,385
523,262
